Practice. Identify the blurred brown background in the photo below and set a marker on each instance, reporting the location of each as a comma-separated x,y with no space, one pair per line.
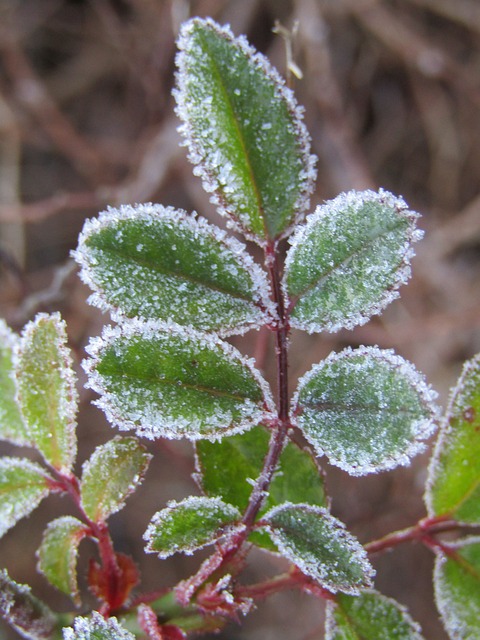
392,97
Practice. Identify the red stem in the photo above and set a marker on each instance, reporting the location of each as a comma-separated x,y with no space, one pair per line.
70,484
420,532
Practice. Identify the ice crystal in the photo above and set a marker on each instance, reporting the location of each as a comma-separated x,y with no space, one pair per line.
184,270
244,131
367,409
349,260
320,546
96,627
164,380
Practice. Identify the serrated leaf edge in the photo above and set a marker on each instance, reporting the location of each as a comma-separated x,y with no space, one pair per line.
350,541
209,182
82,532
195,501
70,399
331,628
456,629
421,429
261,292
445,430
11,340
25,463
97,454
150,329
333,209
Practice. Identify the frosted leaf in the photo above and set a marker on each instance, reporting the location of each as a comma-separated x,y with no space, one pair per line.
163,380
244,131
57,555
349,259
366,409
30,617
369,615
457,589
23,485
11,422
320,546
453,485
189,525
46,390
112,473
96,627
156,262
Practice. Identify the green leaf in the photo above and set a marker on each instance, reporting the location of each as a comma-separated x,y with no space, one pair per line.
320,546
113,472
23,485
366,409
369,616
229,468
25,613
453,486
57,555
158,263
244,131
189,525
347,262
46,390
11,421
167,381
457,589
96,627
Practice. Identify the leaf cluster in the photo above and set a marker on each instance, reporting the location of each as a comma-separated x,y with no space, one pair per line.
177,287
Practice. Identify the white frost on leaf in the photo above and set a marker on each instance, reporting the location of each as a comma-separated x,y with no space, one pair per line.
44,369
25,613
111,474
12,427
205,521
320,546
366,409
231,297
23,485
206,144
456,445
385,617
457,590
171,405
96,627
347,262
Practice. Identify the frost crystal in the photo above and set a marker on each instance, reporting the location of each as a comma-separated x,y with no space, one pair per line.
452,484
367,409
244,130
47,392
25,613
23,485
320,546
190,525
163,380
96,627
457,588
349,260
184,270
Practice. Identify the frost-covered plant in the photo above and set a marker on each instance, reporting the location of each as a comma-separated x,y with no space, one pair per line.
176,287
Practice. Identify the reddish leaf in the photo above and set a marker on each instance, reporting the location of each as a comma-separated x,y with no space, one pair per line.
111,587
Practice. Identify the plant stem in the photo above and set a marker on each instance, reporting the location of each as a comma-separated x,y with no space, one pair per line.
71,485
280,430
217,562
422,531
